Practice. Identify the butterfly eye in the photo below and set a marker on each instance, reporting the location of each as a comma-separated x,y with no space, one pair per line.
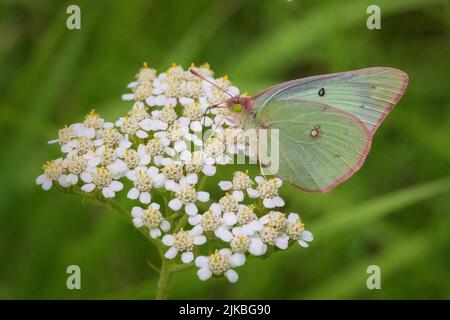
237,108
321,92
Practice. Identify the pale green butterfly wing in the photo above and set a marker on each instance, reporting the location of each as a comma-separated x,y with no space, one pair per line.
369,94
320,146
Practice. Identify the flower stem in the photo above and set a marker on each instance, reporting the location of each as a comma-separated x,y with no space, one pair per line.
164,280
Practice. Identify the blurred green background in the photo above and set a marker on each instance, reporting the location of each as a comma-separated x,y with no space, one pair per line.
394,213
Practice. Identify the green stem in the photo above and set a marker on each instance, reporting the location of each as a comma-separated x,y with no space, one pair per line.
164,280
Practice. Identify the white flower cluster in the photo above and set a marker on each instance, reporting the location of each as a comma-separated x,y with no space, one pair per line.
243,224
157,152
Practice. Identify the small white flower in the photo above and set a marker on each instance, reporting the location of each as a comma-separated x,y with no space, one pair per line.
176,134
90,125
241,182
242,243
144,179
185,242
272,237
212,221
195,113
132,126
268,191
198,161
65,136
221,262
229,203
159,87
173,172
133,158
151,218
109,137
76,166
156,149
167,115
247,220
141,91
187,196
53,171
215,148
102,179
108,157
138,111
295,229
257,246
274,231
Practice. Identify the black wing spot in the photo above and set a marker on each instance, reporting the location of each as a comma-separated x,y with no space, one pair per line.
322,92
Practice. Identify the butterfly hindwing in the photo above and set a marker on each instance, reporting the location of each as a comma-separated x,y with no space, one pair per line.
320,146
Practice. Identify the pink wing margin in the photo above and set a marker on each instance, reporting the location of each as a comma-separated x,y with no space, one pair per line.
391,105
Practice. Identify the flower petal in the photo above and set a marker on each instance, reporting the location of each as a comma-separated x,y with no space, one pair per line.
194,220
252,193
168,240
165,225
138,222
278,201
133,193
116,185
201,261
237,259
268,203
238,195
204,274
175,204
225,185
292,217
136,212
171,253
191,209
155,233
199,240
229,218
145,197
257,247
88,187
231,275
307,236
108,192
203,196
187,257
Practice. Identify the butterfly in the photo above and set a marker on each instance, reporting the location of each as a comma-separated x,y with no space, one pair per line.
326,123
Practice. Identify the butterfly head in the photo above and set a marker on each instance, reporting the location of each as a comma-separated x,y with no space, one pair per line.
240,104
235,103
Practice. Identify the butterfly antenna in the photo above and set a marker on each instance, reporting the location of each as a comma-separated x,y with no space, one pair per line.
195,73
217,105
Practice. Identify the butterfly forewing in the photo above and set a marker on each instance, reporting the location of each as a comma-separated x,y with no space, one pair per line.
320,146
369,94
